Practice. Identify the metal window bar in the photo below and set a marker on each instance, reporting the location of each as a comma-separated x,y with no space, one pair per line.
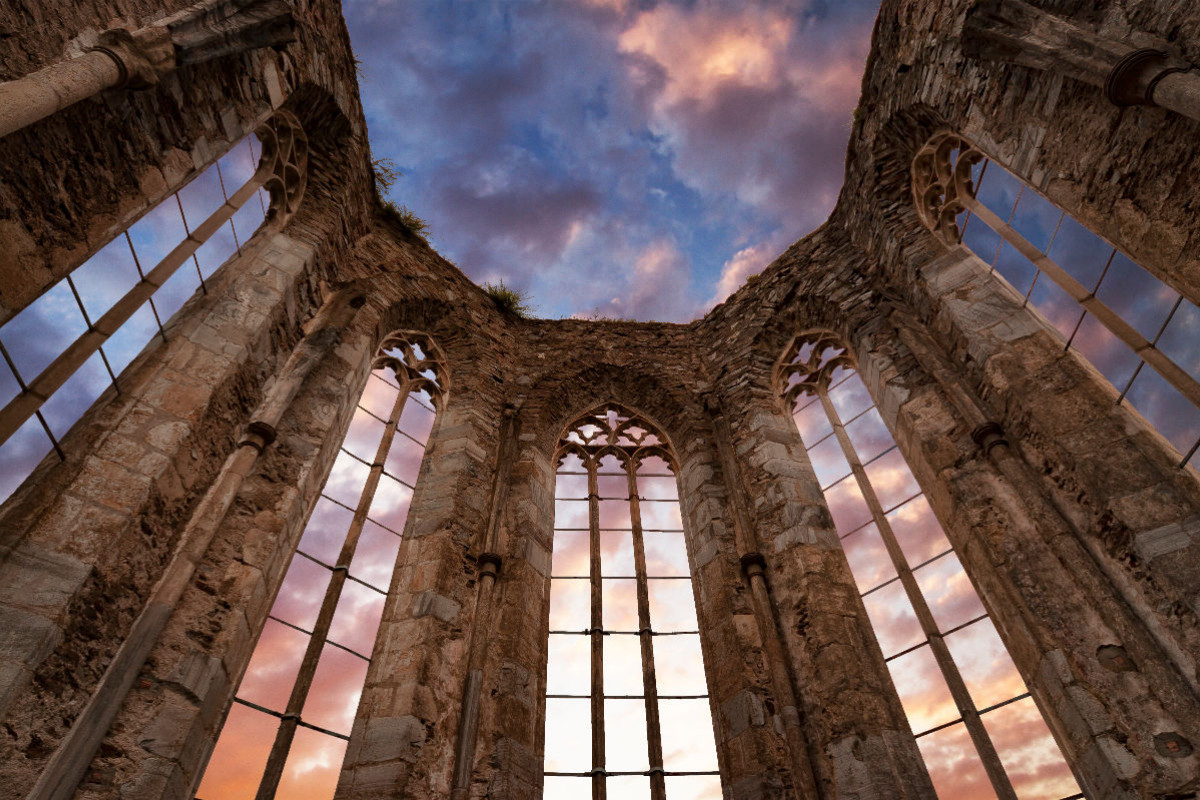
645,634
330,642
363,461
12,366
40,389
1145,349
954,681
604,632
286,732
283,716
600,773
374,521
188,231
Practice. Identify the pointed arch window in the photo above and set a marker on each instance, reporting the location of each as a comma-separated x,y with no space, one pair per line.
977,727
287,730
627,708
68,346
1142,335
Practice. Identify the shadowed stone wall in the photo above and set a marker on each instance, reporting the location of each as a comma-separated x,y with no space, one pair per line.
1079,532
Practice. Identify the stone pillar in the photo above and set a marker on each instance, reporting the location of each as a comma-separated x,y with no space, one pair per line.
403,740
87,538
1016,32
859,738
752,749
510,740
1067,548
69,762
123,59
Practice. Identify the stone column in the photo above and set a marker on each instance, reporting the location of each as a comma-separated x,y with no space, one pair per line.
66,767
750,718
403,740
123,59
510,740
1067,582
858,737
1016,32
89,537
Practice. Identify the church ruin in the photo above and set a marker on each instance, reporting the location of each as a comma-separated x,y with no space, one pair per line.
916,379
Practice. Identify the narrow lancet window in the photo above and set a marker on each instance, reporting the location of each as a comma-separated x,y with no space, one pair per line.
63,350
1142,335
287,730
627,708
979,731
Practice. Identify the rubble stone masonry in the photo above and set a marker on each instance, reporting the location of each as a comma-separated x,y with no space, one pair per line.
1077,526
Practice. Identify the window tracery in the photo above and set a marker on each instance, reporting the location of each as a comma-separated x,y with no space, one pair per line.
286,733
1109,310
627,708
977,727
72,343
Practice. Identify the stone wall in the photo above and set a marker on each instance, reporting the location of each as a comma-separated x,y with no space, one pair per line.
1079,532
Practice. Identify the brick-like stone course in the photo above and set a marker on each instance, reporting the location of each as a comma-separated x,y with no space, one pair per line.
1080,533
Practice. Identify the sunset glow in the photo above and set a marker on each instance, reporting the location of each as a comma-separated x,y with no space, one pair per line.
620,564
392,405
874,499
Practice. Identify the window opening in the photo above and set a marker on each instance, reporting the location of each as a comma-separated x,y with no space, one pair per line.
286,733
1115,314
627,706
63,350
977,727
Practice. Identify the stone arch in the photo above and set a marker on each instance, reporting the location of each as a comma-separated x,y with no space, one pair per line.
557,401
848,311
463,353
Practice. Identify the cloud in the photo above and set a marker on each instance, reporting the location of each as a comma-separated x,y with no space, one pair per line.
744,263
751,99
654,289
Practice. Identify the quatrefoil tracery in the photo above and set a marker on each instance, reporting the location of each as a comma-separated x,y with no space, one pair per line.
809,364
942,184
415,360
612,430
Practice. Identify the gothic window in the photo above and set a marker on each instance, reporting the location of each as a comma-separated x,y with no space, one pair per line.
627,707
1143,336
287,730
63,350
977,727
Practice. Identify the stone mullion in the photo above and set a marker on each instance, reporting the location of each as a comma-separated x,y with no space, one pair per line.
596,633
316,643
1188,386
937,645
65,769
658,784
1057,596
51,379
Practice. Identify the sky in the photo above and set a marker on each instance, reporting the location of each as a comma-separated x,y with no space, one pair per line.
613,157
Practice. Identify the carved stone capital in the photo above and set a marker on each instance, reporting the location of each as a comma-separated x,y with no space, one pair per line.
989,435
142,56
754,564
1015,32
941,177
1132,80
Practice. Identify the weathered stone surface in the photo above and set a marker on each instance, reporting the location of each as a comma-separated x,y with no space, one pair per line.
1080,534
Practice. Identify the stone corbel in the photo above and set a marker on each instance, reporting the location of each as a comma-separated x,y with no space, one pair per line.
1016,32
124,59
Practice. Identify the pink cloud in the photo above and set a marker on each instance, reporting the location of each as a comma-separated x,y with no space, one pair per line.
748,99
